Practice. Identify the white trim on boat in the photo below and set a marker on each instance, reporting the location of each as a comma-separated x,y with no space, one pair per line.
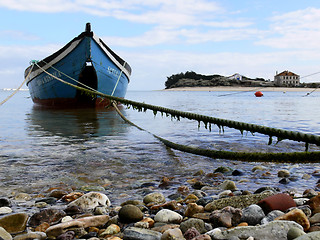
99,42
55,60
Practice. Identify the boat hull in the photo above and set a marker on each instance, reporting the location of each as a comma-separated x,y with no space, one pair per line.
85,62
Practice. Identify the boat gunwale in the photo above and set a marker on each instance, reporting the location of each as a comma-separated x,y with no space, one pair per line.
65,50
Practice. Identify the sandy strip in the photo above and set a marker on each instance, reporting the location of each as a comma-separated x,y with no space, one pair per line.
242,89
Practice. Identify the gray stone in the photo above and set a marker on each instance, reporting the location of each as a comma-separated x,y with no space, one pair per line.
273,230
168,216
271,216
4,234
315,218
133,233
193,222
237,201
252,214
309,236
294,232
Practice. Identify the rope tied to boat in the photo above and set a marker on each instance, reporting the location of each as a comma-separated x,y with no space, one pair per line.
221,123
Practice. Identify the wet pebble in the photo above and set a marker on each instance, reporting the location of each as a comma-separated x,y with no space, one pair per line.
206,206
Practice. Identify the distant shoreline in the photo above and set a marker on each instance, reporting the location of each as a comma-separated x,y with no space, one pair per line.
241,89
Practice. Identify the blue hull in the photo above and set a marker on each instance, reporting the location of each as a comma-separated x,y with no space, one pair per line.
86,62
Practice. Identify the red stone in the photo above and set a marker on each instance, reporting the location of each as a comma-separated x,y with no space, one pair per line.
279,201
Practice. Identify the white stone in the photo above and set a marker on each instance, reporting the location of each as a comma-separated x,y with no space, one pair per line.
66,219
5,210
300,201
91,200
168,216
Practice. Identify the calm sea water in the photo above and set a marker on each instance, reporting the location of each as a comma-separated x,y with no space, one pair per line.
85,148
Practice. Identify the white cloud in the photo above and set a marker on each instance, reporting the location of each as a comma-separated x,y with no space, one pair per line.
298,30
158,12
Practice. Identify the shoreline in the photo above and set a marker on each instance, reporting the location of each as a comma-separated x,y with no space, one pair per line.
240,89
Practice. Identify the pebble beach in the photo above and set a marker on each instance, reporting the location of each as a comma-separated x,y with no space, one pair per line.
207,206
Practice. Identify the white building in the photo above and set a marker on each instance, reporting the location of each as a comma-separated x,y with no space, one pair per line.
236,76
286,78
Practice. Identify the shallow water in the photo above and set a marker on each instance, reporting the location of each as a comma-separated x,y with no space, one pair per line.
82,148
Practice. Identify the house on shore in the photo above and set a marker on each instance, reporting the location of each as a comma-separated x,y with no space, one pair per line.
236,76
287,79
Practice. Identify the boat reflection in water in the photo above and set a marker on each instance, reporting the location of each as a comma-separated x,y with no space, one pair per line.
77,123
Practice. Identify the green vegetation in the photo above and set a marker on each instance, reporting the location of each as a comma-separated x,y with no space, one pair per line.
192,79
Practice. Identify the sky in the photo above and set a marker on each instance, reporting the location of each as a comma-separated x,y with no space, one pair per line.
159,38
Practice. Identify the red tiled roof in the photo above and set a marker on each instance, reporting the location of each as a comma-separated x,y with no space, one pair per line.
287,73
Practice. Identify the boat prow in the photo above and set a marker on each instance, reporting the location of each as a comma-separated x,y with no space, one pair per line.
86,61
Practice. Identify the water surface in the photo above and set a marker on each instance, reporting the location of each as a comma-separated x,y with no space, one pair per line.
82,148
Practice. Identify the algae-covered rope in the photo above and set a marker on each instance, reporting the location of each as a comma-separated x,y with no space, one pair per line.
295,157
207,120
15,91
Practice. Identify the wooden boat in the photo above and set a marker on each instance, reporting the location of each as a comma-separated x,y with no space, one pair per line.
85,61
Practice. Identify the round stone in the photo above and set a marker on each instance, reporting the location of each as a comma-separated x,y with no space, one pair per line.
283,173
168,216
130,214
5,210
228,185
154,198
294,232
252,214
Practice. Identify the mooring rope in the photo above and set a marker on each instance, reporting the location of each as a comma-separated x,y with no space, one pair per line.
15,91
256,156
294,157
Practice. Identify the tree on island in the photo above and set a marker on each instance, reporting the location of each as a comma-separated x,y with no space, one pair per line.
173,79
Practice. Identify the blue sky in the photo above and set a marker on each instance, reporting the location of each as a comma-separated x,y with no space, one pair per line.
159,38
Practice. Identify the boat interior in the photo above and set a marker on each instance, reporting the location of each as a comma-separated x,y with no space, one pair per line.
88,77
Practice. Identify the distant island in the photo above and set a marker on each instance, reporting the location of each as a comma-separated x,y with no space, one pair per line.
193,79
